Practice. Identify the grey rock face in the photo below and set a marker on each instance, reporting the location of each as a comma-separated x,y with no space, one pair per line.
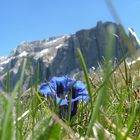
92,43
38,52
58,55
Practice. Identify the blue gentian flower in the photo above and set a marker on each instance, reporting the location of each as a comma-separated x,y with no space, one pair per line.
61,87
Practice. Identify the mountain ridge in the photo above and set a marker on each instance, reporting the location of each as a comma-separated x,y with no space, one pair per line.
57,55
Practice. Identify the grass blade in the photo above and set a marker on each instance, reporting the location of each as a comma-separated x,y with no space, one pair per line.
82,62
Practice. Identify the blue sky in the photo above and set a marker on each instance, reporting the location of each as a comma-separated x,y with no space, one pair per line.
28,20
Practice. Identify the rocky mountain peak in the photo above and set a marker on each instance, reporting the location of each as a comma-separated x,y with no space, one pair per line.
58,55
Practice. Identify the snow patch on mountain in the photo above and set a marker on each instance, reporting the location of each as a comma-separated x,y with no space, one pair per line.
3,57
53,41
23,54
59,46
44,51
5,61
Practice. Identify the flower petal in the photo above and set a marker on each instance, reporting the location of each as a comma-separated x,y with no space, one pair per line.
81,98
45,90
61,101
